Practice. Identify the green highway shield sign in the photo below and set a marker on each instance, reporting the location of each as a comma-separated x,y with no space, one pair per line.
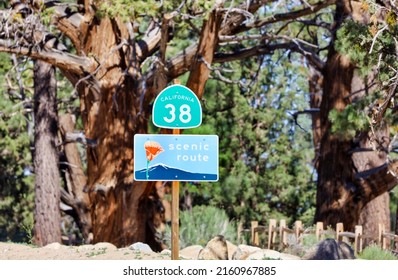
177,107
167,157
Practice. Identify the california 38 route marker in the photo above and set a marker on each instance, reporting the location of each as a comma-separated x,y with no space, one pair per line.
175,157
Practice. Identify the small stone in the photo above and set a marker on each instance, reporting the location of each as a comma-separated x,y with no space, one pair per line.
139,246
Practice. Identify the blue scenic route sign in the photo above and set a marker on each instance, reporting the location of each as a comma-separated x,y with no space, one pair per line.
177,107
175,157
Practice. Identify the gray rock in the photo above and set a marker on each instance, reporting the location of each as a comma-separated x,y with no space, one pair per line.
330,249
139,246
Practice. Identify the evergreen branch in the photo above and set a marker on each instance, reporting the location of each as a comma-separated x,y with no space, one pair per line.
269,49
224,79
235,39
286,16
307,111
376,36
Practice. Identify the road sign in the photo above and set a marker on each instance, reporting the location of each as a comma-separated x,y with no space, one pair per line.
177,107
162,157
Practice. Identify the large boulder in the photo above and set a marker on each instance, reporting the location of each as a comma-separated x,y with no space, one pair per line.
216,249
330,249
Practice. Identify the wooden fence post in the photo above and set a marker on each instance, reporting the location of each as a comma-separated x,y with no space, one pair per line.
282,234
298,225
382,240
255,239
271,235
339,229
358,239
318,230
240,230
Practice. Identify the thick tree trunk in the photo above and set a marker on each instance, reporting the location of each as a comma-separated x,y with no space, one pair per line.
342,191
47,181
335,169
110,112
113,110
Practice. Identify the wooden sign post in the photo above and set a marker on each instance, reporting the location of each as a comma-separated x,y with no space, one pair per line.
175,208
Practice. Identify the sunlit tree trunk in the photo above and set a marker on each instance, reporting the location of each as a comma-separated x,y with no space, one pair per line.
115,108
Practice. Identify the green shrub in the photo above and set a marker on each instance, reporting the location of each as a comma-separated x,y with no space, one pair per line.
374,252
201,224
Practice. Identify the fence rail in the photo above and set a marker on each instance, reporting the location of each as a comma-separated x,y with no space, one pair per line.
277,235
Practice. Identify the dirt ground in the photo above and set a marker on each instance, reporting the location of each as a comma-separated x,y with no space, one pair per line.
137,251
56,251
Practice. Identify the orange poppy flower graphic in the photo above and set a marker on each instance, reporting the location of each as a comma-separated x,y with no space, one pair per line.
152,150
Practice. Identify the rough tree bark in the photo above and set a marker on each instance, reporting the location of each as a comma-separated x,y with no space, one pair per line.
47,181
124,211
378,210
343,191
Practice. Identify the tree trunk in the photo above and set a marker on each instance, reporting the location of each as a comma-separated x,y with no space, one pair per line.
377,210
111,116
115,107
335,166
335,170
47,181
342,190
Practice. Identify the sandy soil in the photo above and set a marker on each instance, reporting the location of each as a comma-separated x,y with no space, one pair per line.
56,251
137,251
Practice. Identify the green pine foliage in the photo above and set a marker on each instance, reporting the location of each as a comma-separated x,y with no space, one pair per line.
373,50
16,182
347,123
